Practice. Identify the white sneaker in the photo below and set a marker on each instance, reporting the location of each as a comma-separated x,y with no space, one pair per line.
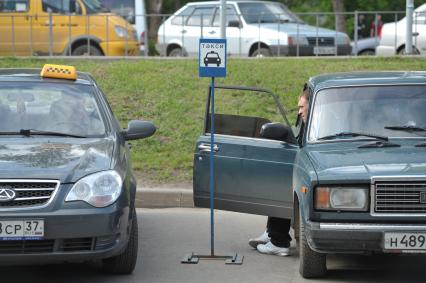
262,239
271,249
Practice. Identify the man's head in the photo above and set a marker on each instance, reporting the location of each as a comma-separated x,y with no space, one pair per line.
303,104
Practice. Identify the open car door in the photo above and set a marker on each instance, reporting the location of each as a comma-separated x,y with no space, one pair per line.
253,174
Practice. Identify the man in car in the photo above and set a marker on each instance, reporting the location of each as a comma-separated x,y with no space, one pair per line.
276,239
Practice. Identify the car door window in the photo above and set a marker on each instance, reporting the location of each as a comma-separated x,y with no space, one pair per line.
181,18
14,6
201,15
231,16
61,6
243,113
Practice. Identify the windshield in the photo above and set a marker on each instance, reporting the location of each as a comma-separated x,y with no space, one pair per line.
94,7
51,107
369,110
267,13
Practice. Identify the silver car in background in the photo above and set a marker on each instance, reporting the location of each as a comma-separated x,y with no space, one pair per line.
254,28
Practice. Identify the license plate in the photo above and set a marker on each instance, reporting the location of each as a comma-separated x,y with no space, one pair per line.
321,50
21,229
405,241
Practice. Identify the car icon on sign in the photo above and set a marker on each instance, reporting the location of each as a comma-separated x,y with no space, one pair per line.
212,58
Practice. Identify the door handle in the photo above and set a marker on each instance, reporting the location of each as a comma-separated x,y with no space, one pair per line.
47,23
205,147
69,25
183,31
415,34
212,32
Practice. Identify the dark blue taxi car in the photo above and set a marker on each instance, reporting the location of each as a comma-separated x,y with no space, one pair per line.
67,191
353,178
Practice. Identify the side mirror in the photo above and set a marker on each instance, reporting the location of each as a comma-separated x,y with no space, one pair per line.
274,131
234,24
138,130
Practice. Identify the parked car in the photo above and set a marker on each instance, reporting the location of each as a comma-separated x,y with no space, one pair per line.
393,35
67,190
254,28
75,27
133,11
365,46
354,179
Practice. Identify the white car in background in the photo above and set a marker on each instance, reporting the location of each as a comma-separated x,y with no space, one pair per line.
393,35
254,28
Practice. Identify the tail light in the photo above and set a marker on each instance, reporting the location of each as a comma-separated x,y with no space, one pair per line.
142,39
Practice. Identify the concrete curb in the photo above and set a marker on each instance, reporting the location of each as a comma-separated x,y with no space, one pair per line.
163,197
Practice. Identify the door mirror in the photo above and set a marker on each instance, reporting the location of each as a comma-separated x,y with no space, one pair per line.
234,24
138,130
274,131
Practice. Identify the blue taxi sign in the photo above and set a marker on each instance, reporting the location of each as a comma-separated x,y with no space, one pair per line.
212,57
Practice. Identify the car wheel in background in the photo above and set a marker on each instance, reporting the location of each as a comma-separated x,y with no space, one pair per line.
125,262
177,52
401,51
83,50
312,264
368,52
261,52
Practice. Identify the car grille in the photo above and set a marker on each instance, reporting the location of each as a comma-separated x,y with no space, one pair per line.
400,197
29,193
322,41
58,245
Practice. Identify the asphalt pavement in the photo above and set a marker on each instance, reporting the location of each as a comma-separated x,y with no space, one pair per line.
166,235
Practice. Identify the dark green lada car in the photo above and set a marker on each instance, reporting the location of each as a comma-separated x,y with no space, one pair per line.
67,191
353,178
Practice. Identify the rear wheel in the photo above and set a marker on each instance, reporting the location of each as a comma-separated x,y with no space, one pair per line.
261,52
367,53
125,262
312,264
83,50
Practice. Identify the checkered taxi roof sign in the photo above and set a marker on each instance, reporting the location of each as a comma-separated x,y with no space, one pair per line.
59,72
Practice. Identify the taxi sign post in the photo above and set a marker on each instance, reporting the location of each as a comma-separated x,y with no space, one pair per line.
212,63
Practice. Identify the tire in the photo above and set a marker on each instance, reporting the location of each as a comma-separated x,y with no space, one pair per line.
125,262
367,53
83,50
261,52
312,264
402,51
177,52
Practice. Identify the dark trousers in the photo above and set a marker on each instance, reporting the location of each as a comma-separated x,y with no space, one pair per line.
278,229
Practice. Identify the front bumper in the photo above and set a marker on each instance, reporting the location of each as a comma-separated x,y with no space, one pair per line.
304,50
353,238
71,235
120,48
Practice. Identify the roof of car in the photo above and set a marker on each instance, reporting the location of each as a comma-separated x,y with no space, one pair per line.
229,1
33,75
367,78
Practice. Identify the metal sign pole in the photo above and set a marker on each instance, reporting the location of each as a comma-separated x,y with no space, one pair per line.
212,170
212,52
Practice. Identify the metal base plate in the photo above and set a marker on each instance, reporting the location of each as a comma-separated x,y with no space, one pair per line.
193,258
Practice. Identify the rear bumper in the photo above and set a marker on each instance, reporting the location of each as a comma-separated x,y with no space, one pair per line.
303,50
353,238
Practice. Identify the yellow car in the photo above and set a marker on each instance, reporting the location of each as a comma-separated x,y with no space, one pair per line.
70,27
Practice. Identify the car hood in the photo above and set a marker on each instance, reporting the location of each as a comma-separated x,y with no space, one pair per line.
33,158
349,163
302,29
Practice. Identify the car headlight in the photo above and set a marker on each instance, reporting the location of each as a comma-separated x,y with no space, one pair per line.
343,40
341,198
99,189
121,31
297,40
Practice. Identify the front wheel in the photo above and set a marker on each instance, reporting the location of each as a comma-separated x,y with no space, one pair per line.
84,50
125,262
261,52
312,264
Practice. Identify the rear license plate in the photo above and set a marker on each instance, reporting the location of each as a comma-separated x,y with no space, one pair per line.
405,241
321,50
21,229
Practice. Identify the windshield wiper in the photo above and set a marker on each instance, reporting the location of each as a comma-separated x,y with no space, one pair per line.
29,132
407,128
379,144
353,134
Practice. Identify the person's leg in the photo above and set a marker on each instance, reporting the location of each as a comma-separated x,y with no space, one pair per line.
262,239
278,229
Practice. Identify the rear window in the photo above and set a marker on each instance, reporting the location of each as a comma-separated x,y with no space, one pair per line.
68,109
